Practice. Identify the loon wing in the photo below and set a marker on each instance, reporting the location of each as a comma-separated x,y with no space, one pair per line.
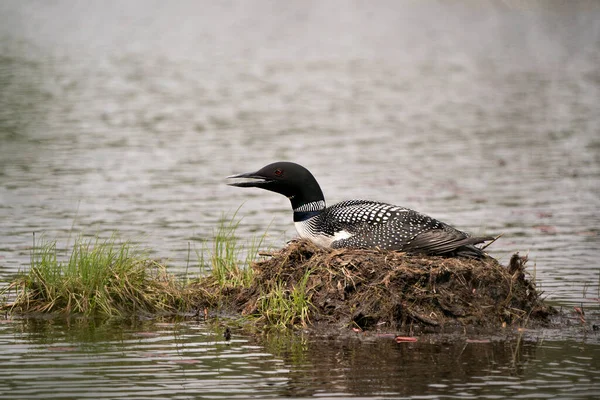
368,224
442,241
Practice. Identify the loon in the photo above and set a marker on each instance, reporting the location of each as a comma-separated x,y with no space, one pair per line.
359,223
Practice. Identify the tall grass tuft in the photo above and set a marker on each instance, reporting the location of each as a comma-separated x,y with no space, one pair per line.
282,308
100,277
104,278
229,261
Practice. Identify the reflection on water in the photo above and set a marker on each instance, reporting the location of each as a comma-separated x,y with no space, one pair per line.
189,360
119,360
128,116
434,367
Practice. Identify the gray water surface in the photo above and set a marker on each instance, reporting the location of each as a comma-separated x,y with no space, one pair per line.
187,360
128,116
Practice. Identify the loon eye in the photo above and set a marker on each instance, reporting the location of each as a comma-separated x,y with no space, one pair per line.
278,172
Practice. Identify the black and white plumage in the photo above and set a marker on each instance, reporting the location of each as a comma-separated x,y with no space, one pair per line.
359,223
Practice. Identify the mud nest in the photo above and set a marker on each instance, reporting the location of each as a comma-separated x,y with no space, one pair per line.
371,289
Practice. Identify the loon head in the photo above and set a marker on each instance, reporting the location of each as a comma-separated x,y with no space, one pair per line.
287,178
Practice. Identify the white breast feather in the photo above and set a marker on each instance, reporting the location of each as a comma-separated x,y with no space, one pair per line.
319,238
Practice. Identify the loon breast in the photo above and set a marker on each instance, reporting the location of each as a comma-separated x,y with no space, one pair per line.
308,230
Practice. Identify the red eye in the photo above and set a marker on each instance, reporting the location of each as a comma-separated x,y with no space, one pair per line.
278,172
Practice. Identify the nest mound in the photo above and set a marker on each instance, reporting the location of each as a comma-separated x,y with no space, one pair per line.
385,289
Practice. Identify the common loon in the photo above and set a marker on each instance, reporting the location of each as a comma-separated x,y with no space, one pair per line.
359,223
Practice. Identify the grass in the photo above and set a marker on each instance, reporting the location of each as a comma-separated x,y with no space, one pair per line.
105,277
295,286
231,269
225,264
282,308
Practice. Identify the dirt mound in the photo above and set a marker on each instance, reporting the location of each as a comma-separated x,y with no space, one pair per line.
382,289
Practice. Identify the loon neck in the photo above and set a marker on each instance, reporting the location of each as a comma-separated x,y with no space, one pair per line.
308,210
306,196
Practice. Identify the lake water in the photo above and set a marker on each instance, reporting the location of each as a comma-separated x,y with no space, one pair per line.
128,116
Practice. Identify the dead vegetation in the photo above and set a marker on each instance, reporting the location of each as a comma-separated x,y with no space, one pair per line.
300,285
371,289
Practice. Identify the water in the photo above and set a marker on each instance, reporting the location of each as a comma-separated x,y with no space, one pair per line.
128,117
186,360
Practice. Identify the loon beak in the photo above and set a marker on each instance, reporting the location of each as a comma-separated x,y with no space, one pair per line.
249,179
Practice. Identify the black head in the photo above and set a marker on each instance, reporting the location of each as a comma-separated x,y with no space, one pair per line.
289,179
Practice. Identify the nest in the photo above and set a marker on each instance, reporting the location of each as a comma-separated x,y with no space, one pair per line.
373,289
